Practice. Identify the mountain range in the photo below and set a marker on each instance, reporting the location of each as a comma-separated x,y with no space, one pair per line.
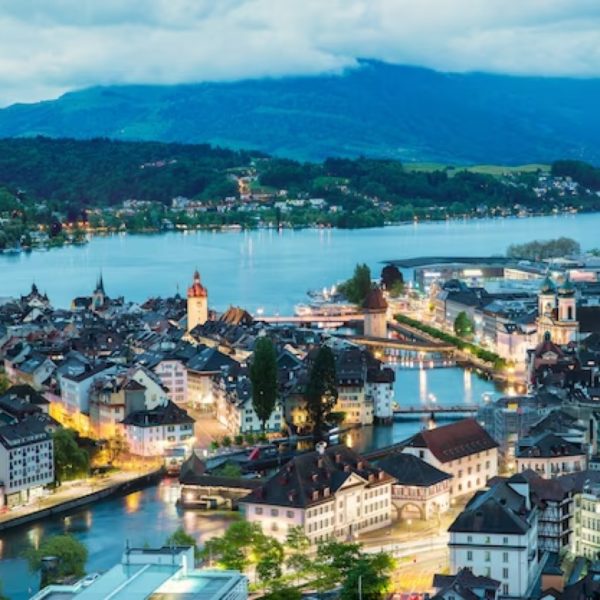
377,109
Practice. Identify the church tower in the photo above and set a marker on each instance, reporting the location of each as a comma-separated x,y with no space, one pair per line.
197,303
99,295
567,311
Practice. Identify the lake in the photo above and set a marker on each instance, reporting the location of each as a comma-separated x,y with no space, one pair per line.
266,269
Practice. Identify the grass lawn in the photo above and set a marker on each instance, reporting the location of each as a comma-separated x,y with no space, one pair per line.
484,169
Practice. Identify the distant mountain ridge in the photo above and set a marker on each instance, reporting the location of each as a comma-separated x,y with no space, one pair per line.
376,110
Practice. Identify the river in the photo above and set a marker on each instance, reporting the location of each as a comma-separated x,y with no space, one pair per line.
266,269
150,516
256,269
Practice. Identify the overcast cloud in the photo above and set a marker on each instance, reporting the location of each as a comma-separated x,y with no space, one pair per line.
48,47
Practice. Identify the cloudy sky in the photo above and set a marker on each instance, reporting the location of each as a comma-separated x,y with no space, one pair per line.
48,47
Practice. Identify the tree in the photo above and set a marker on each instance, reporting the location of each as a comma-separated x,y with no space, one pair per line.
263,375
70,461
180,538
397,289
358,286
234,549
270,553
463,326
391,275
542,249
372,573
297,545
282,592
116,446
321,392
70,552
4,383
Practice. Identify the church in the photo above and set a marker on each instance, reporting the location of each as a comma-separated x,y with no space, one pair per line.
557,312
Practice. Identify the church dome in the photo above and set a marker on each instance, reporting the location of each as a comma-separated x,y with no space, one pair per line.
548,286
566,288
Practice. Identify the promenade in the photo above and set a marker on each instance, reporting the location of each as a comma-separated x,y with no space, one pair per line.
73,494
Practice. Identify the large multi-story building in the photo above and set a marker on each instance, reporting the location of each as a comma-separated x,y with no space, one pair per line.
557,312
26,460
496,536
332,493
550,456
463,449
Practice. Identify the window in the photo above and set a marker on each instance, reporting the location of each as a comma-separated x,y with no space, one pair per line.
505,540
505,589
469,538
290,514
488,556
469,555
505,573
274,512
258,510
505,557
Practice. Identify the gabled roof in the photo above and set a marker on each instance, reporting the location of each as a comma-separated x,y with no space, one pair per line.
547,445
408,469
463,584
310,479
500,510
454,441
170,414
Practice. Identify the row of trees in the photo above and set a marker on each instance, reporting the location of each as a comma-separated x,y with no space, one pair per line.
542,249
281,568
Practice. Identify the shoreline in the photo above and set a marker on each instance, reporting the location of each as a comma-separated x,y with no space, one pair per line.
236,228
8,521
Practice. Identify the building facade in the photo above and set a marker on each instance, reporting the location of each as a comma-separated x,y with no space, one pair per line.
332,493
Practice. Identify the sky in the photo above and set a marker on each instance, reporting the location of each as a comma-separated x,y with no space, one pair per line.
49,47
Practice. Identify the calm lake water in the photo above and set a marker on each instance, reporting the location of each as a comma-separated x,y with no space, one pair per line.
258,269
264,268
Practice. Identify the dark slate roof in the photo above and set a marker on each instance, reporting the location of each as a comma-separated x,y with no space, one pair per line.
498,510
589,319
463,580
454,441
170,414
27,393
547,445
310,479
210,360
30,430
192,467
411,470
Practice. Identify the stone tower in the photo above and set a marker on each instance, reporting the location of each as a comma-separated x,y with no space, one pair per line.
197,303
375,309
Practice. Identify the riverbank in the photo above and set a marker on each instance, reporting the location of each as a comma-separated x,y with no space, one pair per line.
77,495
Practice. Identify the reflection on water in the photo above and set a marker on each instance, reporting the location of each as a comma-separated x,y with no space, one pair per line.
151,515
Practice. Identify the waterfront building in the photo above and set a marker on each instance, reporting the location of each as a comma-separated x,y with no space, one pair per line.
557,312
496,536
26,460
550,456
463,449
159,573
379,388
351,370
332,493
375,310
149,432
197,303
464,586
421,491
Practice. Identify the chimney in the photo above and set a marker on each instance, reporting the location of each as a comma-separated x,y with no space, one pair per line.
315,476
315,495
320,448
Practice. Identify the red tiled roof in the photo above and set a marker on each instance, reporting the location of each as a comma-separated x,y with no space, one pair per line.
375,300
455,440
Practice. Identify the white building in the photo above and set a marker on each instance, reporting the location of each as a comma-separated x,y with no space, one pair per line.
331,493
173,375
463,449
26,460
550,456
166,572
586,517
75,387
150,432
496,536
380,389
